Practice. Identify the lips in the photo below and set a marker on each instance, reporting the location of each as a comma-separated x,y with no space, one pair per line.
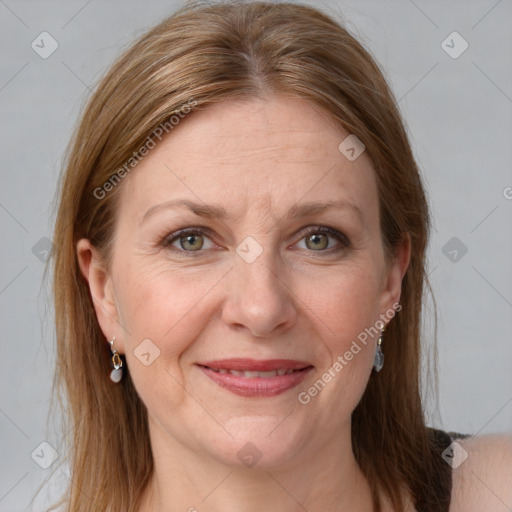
250,377
253,365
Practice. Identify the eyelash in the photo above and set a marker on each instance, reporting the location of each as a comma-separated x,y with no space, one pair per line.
310,230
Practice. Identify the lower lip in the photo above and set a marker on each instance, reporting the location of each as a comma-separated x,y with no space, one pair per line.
257,386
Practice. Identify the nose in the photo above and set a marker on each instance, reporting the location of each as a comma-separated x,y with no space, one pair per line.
258,298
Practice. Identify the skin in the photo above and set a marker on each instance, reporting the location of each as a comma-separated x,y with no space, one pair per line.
257,159
484,480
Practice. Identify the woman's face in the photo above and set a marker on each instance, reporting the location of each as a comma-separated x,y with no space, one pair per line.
281,268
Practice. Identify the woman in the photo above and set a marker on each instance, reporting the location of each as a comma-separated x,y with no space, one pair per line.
239,270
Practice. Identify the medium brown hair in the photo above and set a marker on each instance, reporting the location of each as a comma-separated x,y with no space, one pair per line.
213,53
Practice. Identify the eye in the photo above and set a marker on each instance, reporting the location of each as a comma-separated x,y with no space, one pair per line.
320,239
189,240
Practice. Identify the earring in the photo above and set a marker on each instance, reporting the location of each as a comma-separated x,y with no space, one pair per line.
117,373
378,361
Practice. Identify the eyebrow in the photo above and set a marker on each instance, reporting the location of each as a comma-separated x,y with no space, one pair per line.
302,210
219,212
200,209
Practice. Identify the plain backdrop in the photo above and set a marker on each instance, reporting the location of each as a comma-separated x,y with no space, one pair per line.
458,112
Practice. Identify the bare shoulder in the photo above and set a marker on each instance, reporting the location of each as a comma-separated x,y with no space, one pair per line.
483,480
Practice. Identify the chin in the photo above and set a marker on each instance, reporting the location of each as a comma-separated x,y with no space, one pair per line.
260,442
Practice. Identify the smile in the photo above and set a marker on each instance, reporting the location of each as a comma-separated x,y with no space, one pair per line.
251,378
253,375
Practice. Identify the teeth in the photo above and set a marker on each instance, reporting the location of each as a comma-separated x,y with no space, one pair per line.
253,375
249,375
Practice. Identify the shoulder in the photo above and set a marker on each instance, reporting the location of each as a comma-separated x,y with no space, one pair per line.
483,480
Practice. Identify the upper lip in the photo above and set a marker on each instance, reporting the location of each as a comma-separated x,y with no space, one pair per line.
241,365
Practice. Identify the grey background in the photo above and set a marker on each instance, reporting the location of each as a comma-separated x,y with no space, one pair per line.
458,112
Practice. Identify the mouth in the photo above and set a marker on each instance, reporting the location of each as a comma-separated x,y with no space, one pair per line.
252,378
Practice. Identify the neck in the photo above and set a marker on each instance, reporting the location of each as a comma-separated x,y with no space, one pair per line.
183,480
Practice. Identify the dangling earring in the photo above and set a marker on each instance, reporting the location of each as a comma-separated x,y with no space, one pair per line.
378,361
117,373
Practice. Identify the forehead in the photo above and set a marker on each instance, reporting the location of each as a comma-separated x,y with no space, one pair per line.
269,153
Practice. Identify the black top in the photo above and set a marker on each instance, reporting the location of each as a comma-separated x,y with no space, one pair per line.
442,440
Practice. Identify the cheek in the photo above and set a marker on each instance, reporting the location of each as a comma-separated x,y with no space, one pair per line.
346,312
155,299
161,312
346,306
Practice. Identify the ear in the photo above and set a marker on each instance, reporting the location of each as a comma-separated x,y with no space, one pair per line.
396,269
101,287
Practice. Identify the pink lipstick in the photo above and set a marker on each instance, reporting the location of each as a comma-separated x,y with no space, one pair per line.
255,378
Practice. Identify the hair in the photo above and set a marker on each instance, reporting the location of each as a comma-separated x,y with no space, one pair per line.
202,55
